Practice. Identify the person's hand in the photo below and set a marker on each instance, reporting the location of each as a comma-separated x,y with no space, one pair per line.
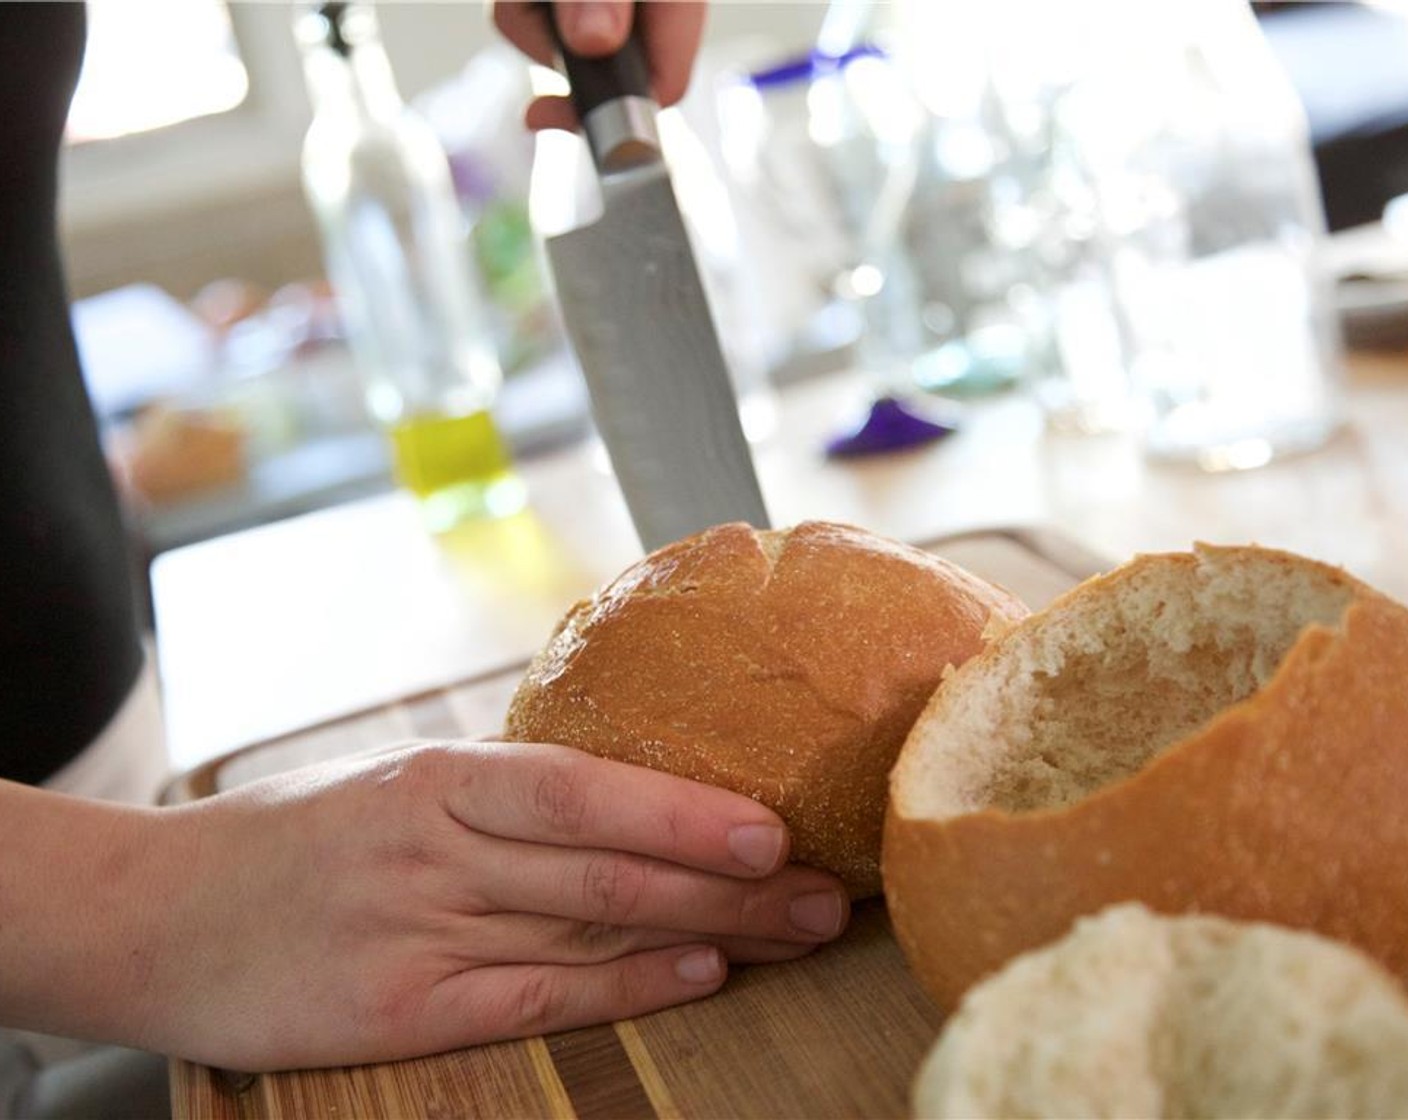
434,897
670,31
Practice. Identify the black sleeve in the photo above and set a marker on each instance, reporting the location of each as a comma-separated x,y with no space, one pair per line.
69,631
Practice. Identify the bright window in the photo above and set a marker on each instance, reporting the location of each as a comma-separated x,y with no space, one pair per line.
152,63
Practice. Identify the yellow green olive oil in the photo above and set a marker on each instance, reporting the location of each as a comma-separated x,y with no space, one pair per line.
458,466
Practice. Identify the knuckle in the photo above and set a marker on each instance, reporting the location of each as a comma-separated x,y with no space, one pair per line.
627,988
411,849
751,911
419,770
410,837
385,840
612,888
538,1002
672,826
560,800
597,940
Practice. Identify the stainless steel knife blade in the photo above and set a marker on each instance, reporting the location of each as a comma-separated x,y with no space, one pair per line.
638,318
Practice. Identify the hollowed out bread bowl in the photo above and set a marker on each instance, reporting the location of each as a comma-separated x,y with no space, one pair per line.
1136,1014
1223,731
786,665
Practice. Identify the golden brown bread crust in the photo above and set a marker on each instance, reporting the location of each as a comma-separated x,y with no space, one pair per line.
786,666
1287,807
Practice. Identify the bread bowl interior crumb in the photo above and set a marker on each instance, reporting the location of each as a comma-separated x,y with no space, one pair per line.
1133,1014
1090,692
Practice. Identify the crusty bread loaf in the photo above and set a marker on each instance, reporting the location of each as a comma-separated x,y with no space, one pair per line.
1133,1014
1224,731
786,665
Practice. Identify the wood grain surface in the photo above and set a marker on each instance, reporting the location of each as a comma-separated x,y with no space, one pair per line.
837,1034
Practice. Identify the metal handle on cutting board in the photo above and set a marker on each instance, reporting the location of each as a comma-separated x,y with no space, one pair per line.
612,99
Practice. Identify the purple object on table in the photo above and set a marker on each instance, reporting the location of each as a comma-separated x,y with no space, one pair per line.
890,425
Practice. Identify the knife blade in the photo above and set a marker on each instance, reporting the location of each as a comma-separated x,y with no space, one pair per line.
636,314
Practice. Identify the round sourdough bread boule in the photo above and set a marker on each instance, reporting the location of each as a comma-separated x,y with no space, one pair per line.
1134,1014
786,665
1224,730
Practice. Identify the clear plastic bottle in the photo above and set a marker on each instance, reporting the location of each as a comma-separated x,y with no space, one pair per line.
395,243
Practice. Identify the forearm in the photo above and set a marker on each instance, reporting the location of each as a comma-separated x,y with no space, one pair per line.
85,888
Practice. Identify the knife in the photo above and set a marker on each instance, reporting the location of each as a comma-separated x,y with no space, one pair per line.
636,314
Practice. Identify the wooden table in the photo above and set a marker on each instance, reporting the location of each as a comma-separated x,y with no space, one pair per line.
269,639
270,630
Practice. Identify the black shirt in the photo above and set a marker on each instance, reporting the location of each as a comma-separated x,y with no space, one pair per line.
69,637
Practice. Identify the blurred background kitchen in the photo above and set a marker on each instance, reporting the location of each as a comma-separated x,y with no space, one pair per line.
1163,224
215,351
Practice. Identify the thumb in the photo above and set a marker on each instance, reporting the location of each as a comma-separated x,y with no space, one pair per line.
594,27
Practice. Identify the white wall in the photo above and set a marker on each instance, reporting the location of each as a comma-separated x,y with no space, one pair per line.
429,41
221,197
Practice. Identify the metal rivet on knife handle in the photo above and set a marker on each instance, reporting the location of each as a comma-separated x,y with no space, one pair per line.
613,101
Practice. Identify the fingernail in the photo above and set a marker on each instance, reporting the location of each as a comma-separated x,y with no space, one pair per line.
818,914
591,24
758,846
700,966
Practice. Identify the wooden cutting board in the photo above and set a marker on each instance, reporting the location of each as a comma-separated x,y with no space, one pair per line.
839,1033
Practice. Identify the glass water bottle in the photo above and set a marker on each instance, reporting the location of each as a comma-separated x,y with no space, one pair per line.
398,258
1177,226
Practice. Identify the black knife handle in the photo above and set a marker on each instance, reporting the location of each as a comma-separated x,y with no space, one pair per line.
595,81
